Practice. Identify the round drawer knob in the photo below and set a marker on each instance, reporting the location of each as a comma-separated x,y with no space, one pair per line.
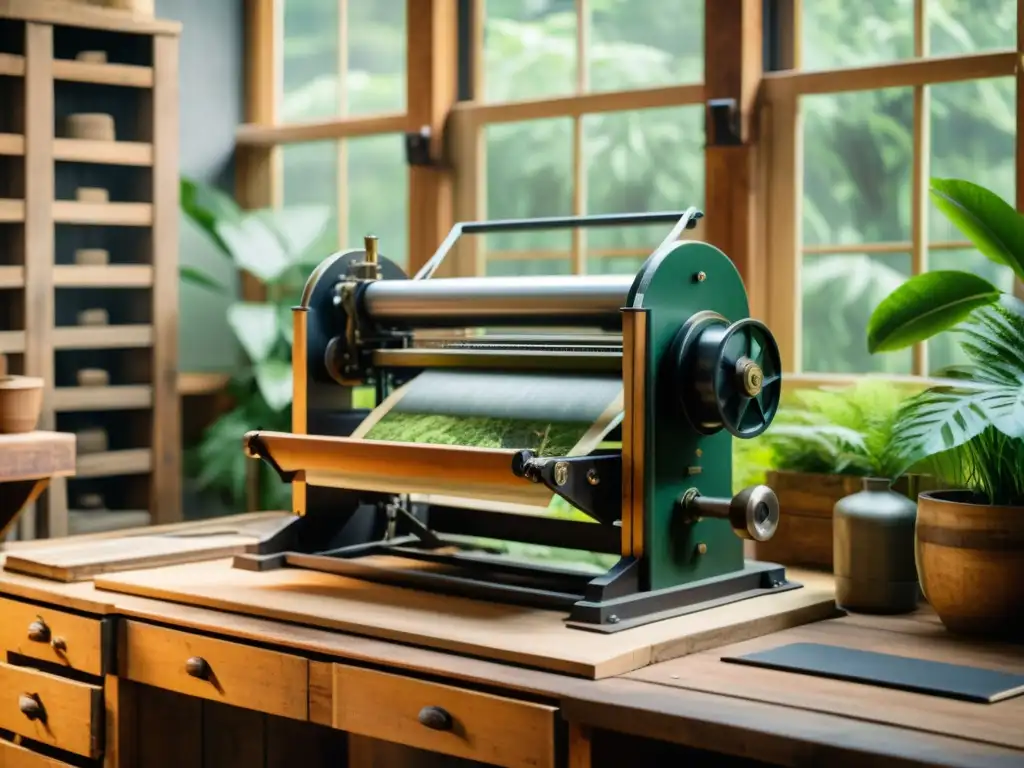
38,632
435,718
59,645
30,706
197,668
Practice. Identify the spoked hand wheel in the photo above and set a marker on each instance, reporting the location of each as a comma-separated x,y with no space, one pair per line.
728,376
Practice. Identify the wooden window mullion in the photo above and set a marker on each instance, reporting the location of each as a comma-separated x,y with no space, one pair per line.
920,172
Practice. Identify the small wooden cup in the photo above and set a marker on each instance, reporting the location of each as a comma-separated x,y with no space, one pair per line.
91,127
91,440
93,377
98,316
92,257
21,401
92,195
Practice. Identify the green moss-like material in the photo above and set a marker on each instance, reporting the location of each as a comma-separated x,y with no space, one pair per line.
479,432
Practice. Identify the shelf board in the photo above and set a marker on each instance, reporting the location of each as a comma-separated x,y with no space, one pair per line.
202,383
107,276
116,398
127,75
12,342
12,144
105,152
102,337
12,210
12,276
12,65
112,214
105,520
62,12
134,461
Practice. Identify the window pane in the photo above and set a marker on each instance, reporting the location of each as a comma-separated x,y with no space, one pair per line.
858,155
375,67
378,194
310,67
376,56
971,26
529,49
839,294
523,265
640,161
847,33
973,129
311,178
529,175
641,45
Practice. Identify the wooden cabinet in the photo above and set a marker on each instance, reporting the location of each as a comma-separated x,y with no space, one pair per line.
46,634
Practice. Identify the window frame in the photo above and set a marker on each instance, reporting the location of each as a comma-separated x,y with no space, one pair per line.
781,120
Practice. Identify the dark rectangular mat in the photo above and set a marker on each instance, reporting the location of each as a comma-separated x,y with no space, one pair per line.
953,681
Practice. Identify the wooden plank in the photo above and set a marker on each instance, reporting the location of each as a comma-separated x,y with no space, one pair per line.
107,276
257,135
202,383
169,729
120,704
103,152
732,70
12,342
131,461
12,277
997,724
82,15
897,74
80,648
113,398
233,737
529,637
127,75
165,499
15,756
34,455
585,104
12,65
111,214
768,734
102,337
61,562
431,84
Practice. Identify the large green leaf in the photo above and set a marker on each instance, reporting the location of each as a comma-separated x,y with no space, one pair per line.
206,206
298,228
256,328
274,378
926,305
945,418
989,222
255,247
198,277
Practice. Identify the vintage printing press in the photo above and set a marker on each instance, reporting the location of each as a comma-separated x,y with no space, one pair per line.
695,372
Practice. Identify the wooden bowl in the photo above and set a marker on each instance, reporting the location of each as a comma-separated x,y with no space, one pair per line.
21,401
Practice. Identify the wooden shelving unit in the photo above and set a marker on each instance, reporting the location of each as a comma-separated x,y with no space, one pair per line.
117,318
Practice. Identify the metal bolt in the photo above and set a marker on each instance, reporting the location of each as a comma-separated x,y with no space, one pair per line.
613,619
561,473
592,476
701,277
702,548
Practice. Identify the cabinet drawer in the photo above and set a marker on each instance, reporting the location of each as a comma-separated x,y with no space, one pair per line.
445,719
13,756
219,670
51,635
52,710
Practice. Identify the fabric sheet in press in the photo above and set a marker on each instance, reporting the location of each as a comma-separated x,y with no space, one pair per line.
551,414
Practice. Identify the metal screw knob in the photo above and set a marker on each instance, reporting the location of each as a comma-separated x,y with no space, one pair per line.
755,512
436,719
30,706
198,668
38,632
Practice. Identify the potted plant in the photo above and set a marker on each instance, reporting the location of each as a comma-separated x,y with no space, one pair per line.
278,248
970,428
823,442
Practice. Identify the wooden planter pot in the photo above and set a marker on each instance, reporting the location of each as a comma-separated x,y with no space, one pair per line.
970,560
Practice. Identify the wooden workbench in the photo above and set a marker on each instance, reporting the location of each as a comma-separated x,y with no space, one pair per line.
111,672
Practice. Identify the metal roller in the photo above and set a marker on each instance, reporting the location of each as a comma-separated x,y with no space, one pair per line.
592,301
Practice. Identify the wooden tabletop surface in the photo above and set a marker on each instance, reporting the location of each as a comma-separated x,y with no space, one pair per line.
35,455
696,700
